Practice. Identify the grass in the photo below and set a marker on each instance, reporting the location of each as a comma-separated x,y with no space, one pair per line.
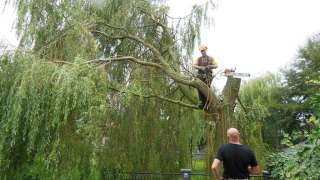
198,166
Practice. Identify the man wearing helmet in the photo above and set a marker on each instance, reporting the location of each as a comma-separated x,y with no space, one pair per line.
204,65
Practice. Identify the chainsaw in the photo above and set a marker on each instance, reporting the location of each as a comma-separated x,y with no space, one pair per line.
233,73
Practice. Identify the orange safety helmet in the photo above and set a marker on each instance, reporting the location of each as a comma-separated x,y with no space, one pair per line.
202,48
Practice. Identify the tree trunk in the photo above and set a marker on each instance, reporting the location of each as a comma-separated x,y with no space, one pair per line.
220,119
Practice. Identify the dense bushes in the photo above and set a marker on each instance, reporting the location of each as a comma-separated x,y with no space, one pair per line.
301,160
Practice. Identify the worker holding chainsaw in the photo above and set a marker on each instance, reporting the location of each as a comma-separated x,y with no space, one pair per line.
204,65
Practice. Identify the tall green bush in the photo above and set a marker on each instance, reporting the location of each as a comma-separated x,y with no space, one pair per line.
300,160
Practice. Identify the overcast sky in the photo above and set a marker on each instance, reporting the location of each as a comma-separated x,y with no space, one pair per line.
257,36
7,17
254,36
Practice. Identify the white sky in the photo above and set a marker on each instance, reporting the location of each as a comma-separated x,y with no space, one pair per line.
254,36
7,33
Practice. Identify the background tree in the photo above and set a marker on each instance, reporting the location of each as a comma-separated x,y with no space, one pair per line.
299,160
299,80
257,114
301,122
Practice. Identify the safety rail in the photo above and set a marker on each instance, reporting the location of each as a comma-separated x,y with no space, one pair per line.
184,174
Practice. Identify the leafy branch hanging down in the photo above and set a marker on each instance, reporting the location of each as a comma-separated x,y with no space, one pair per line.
156,96
54,105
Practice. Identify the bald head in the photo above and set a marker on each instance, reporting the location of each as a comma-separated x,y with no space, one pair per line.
233,136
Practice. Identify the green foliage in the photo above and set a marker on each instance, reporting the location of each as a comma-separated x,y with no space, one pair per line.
255,117
62,118
58,29
301,157
301,160
284,103
300,85
56,124
49,115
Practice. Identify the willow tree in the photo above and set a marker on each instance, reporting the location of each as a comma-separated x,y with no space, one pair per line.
260,118
140,117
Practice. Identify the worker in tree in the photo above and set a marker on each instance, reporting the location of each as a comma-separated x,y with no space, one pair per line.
204,65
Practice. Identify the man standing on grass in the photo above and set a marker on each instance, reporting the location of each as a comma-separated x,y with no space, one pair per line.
238,160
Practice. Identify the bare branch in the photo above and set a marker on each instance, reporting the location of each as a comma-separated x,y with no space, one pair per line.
59,62
135,38
126,58
102,22
164,67
158,97
156,20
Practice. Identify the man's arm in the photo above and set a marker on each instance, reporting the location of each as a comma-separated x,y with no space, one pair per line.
205,67
253,166
213,66
198,67
216,168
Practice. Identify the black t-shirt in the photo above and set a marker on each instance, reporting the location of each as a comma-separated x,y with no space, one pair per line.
236,159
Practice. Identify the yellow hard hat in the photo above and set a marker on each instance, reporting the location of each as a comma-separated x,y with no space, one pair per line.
202,48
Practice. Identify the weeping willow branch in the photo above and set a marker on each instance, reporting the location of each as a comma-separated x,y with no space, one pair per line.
174,75
122,28
158,97
126,58
164,66
195,83
132,37
185,90
156,20
111,26
60,62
